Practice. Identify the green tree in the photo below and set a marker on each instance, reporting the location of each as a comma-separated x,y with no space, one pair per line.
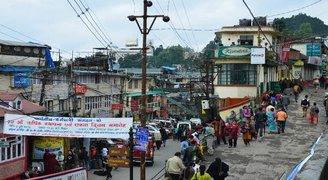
304,31
131,61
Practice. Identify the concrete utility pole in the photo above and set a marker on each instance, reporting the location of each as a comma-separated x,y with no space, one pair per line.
145,31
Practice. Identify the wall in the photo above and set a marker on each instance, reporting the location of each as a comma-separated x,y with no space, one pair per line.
21,60
235,91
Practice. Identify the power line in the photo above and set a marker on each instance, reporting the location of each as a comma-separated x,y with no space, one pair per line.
78,15
298,9
184,8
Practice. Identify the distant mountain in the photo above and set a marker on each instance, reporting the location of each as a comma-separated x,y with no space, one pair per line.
301,26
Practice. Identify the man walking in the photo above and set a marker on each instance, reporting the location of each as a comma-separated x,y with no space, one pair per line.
325,103
285,101
305,103
260,122
314,112
281,119
174,166
296,91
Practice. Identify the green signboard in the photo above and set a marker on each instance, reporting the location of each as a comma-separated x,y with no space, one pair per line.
235,51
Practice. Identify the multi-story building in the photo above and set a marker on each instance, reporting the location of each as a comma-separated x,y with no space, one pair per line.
237,76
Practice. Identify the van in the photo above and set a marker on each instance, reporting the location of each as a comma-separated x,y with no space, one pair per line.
184,124
196,121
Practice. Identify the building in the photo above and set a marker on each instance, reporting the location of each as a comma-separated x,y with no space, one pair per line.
14,149
237,76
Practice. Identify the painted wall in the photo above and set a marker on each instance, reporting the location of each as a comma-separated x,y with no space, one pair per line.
235,91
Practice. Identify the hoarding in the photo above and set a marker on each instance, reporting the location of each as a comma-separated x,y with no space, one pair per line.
142,139
234,51
67,126
258,56
21,80
53,144
313,49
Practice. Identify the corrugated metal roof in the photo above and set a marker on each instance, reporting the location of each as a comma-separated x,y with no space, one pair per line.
17,43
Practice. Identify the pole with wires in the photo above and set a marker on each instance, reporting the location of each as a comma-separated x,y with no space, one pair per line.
145,31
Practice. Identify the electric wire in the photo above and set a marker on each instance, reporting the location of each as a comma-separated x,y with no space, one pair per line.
182,25
298,9
188,19
92,25
78,15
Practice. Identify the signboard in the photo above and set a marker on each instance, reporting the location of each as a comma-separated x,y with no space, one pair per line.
80,88
4,144
117,106
116,151
142,139
118,162
258,56
53,144
315,60
297,72
72,174
67,126
313,49
234,51
21,80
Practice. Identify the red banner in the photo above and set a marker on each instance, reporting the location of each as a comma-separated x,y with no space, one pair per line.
117,106
80,88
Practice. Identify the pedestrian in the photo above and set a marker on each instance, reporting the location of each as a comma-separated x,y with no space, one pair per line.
164,135
53,165
266,99
46,157
246,114
305,103
209,136
322,81
158,140
269,107
231,117
314,112
296,91
285,101
218,169
60,158
247,133
85,158
174,166
93,157
326,82
202,174
316,83
260,119
70,160
188,172
325,103
108,169
219,126
270,116
281,120
183,148
233,130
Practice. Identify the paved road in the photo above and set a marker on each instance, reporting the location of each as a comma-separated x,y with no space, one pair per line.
160,156
278,153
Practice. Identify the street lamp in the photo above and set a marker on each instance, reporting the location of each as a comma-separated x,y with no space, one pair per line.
145,31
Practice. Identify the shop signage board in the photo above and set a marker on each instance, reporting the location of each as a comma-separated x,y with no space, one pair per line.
80,88
119,162
234,51
116,151
313,49
117,106
21,80
67,126
53,144
258,56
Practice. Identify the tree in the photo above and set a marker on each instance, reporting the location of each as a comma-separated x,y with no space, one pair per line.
304,31
131,61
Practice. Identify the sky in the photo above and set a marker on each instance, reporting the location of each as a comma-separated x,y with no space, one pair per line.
192,22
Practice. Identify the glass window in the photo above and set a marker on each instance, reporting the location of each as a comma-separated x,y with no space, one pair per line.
246,39
3,154
136,84
130,85
14,149
237,74
19,149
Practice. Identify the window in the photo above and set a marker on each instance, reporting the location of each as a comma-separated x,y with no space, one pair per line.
107,101
15,149
50,105
246,39
4,104
136,84
93,102
130,85
237,74
62,105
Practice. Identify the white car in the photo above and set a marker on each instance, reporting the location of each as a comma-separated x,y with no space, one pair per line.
196,121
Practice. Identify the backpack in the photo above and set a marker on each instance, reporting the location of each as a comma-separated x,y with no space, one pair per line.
304,102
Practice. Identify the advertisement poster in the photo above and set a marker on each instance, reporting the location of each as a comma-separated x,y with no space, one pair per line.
53,144
258,56
142,139
67,126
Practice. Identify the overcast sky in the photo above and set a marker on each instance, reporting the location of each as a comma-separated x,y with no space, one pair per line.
55,23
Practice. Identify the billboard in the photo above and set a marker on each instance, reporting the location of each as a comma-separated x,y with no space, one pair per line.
53,144
258,56
234,51
313,49
67,126
21,80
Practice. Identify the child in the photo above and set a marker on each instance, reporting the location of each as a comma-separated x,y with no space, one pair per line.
246,130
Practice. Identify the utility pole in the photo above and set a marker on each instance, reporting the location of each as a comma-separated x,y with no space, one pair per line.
145,31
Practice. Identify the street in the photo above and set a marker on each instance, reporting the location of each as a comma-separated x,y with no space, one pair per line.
160,157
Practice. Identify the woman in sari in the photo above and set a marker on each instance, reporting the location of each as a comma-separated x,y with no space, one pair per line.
270,120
